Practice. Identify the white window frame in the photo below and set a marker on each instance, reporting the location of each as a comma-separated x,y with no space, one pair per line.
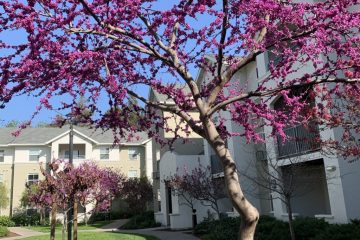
133,156
29,182
132,173
2,155
104,153
33,153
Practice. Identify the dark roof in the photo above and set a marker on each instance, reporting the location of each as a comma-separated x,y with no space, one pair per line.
43,135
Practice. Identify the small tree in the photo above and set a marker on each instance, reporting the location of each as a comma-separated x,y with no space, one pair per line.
86,183
200,185
4,199
31,190
288,178
137,193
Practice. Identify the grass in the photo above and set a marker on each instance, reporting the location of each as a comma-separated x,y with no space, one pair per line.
81,226
100,236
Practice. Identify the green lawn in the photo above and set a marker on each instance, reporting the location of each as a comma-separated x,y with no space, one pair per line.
46,229
100,236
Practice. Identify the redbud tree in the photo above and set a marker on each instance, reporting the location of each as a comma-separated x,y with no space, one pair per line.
85,184
109,49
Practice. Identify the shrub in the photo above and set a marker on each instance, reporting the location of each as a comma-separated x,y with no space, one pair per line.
143,220
99,216
104,216
224,229
6,221
22,219
339,232
308,228
270,228
3,231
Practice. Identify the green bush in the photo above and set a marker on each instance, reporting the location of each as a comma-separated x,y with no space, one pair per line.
112,215
22,219
269,228
340,232
307,228
120,214
6,221
143,220
3,231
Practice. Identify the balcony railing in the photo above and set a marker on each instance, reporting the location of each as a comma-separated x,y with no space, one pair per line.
216,166
75,157
300,140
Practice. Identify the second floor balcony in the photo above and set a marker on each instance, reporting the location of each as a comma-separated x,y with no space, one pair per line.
75,157
78,151
301,140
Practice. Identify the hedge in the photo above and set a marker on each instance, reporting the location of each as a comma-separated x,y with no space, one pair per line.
269,228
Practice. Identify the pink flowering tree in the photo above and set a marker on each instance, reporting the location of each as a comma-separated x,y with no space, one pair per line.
83,185
198,185
108,49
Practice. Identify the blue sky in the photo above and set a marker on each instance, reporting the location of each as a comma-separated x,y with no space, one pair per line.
21,108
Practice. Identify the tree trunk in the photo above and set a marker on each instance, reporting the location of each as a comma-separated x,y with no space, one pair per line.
85,216
42,216
64,226
249,214
75,214
290,218
53,221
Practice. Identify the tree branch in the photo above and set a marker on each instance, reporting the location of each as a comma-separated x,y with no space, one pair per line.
275,91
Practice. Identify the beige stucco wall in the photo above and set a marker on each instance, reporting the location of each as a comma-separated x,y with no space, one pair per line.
20,178
118,159
173,121
21,154
5,171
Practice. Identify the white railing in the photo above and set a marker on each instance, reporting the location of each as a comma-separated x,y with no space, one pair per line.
75,157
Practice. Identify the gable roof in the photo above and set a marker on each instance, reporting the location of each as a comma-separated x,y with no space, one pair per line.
42,136
163,98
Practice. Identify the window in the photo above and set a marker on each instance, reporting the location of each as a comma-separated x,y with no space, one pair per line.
104,153
2,154
34,155
32,178
132,174
133,154
1,178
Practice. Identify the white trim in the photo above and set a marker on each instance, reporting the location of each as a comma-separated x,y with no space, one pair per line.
27,144
67,132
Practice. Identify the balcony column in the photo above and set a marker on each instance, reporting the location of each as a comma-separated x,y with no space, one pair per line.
88,151
54,151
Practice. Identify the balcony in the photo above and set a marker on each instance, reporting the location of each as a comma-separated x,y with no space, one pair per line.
216,166
300,140
75,157
78,151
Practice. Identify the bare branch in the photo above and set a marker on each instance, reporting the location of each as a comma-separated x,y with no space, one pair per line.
170,108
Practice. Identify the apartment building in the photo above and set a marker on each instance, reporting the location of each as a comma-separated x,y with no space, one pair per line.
20,156
327,182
